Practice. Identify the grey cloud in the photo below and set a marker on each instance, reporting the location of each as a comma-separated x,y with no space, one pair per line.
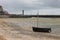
52,3
15,5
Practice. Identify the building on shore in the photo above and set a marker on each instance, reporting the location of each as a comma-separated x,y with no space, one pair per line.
3,13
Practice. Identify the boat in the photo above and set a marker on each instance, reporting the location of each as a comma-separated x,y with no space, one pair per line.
39,29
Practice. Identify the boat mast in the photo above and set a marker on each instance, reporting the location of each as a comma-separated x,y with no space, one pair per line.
37,17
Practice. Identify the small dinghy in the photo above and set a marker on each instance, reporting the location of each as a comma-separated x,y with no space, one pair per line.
37,29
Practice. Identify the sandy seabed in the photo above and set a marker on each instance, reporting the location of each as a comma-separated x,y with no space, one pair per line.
21,29
2,37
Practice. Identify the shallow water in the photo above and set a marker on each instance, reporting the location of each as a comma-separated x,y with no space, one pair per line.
28,23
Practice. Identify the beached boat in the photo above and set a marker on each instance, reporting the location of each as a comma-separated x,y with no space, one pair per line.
39,29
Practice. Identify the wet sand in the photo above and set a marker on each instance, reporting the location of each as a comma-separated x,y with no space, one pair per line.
2,37
21,29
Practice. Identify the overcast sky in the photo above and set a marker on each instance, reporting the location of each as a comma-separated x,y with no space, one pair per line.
45,7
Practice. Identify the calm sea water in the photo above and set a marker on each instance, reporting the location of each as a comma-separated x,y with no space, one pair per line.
55,27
